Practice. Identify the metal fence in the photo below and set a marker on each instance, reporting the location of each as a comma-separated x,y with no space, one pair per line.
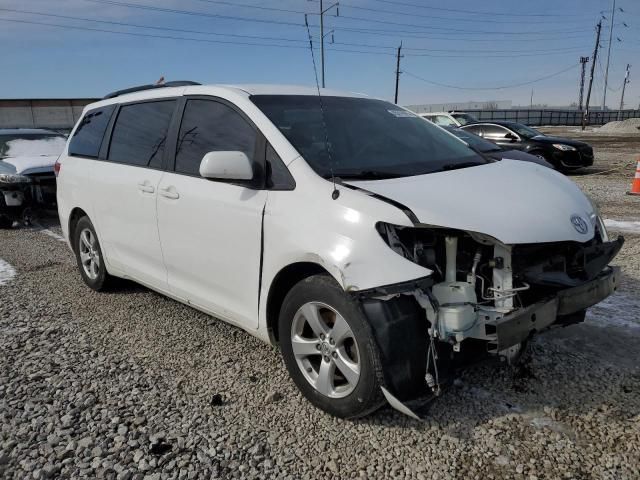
538,118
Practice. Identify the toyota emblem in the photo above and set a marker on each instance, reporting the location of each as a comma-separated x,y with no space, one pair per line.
579,224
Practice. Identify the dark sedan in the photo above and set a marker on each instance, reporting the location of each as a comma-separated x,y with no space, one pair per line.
562,153
494,151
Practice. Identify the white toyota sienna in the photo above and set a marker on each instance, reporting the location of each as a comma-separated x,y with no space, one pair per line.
377,250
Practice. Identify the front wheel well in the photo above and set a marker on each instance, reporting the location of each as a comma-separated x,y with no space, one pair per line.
282,283
76,214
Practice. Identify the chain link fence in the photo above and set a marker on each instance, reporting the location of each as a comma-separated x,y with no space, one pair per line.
537,118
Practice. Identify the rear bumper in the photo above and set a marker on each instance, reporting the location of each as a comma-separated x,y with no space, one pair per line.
516,327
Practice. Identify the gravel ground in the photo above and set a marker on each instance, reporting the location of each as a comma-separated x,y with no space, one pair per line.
130,384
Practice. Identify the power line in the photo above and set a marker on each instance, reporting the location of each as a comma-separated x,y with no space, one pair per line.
474,12
502,87
453,19
276,22
457,30
137,34
194,13
125,24
467,53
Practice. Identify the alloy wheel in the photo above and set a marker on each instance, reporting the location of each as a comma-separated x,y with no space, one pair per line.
89,254
325,349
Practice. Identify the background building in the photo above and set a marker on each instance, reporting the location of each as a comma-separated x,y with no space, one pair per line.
56,114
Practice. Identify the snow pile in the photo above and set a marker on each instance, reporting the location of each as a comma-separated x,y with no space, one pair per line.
631,125
30,148
7,272
621,226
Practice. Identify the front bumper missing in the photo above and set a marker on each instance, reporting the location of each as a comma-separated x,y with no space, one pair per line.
516,327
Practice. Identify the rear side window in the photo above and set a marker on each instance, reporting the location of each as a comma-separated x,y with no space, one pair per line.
477,129
140,133
209,126
88,136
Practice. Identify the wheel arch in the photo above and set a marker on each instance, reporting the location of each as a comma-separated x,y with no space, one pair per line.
76,214
282,283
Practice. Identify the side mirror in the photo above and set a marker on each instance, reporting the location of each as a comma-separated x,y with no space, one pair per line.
511,136
226,165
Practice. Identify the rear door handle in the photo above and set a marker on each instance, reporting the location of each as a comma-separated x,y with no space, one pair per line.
146,187
169,192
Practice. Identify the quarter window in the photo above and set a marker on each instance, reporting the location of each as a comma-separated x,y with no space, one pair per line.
88,136
140,133
495,132
209,126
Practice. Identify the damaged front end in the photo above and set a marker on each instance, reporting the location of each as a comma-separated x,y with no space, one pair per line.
15,198
483,298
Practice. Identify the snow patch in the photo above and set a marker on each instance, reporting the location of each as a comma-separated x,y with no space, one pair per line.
620,309
622,226
21,147
49,233
7,272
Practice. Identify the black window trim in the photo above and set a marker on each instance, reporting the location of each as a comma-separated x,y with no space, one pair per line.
104,135
106,145
260,148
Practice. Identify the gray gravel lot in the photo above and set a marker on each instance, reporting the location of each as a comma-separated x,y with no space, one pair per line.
125,385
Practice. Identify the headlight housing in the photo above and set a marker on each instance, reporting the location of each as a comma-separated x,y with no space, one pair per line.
597,221
12,178
564,148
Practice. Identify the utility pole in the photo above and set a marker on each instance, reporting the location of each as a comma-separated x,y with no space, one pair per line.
531,101
583,62
593,65
398,72
322,35
606,71
624,84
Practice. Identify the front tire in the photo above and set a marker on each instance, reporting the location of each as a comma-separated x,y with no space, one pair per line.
89,256
329,349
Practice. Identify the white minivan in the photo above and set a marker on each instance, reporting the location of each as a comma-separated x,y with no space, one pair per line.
377,250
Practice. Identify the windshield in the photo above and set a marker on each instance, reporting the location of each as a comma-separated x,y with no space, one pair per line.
474,140
22,145
363,138
524,131
464,118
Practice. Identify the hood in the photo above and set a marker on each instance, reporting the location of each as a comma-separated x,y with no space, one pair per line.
32,164
566,141
519,155
515,202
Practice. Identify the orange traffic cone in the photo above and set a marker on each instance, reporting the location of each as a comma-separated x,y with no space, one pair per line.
635,186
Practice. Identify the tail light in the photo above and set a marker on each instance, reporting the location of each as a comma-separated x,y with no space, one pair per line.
56,167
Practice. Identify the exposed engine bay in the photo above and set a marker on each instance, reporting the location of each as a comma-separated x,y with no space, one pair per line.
483,298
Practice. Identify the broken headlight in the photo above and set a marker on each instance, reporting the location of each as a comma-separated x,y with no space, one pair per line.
12,178
597,221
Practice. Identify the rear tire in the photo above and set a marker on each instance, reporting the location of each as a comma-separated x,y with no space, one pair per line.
329,349
89,256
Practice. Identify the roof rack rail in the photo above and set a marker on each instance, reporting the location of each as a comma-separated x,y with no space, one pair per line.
177,83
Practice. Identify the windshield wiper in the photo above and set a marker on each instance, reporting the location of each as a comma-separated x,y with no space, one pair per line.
456,166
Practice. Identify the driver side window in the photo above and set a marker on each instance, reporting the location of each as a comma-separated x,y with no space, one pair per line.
210,126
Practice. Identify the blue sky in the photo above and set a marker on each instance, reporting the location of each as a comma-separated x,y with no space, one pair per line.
444,42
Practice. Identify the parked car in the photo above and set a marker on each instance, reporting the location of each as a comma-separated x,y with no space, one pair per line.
463,118
375,249
27,179
493,150
449,119
562,153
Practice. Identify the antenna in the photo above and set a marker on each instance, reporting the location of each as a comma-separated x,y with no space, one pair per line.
336,193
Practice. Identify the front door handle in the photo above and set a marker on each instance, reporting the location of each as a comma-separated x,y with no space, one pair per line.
146,187
169,192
